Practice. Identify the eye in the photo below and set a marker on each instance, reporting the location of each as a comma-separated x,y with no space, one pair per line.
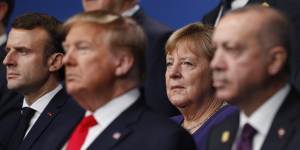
22,51
169,63
83,47
187,63
66,47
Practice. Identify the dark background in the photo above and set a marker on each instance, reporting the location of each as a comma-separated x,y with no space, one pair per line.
174,13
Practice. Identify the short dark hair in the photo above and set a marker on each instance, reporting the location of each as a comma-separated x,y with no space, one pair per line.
10,5
48,23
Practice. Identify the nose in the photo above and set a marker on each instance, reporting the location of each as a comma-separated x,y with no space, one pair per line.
218,62
9,59
68,58
174,71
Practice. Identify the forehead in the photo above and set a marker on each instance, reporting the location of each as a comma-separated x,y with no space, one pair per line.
237,27
84,31
185,47
22,37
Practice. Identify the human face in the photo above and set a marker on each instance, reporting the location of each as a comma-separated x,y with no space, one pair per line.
92,5
240,63
27,70
188,76
89,62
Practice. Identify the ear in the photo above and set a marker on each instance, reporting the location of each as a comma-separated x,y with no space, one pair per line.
124,63
3,10
55,62
278,60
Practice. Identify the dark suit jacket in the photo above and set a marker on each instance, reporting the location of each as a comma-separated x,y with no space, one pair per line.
54,125
142,129
155,90
287,118
211,16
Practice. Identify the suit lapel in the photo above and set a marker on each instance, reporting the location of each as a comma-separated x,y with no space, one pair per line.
223,135
119,129
284,124
47,116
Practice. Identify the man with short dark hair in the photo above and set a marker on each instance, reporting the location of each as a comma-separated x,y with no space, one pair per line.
250,70
33,63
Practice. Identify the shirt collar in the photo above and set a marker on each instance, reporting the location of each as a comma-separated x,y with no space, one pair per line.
3,39
130,12
111,110
40,104
260,122
238,4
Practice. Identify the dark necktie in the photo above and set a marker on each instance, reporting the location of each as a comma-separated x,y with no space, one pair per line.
246,138
17,138
226,6
78,136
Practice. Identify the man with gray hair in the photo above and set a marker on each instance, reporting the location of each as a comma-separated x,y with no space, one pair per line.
250,70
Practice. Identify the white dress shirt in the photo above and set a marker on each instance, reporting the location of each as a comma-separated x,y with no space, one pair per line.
131,12
234,5
40,104
106,114
3,39
262,118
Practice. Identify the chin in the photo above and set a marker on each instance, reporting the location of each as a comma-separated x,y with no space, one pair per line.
179,103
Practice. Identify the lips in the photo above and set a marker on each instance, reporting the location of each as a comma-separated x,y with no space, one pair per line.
176,87
11,75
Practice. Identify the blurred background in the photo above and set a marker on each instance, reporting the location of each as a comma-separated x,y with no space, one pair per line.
174,13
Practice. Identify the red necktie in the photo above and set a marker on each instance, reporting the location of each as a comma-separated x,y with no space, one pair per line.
80,133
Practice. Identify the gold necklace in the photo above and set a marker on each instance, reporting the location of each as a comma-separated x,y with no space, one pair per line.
197,126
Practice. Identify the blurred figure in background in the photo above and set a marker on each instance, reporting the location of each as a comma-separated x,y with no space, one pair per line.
189,81
157,34
289,7
104,64
250,70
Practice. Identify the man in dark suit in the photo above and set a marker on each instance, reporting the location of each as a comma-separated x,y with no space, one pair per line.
157,35
104,63
250,70
34,69
214,16
289,7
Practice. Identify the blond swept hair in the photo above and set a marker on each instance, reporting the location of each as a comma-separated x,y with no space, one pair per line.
120,33
197,35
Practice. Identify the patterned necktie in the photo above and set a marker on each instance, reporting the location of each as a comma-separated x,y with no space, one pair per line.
78,136
246,138
17,138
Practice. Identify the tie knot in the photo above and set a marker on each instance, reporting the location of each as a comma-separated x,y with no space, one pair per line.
88,121
27,112
248,131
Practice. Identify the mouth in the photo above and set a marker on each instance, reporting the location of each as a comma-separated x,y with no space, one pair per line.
12,75
176,87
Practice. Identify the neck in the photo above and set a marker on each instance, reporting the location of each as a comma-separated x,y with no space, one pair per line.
197,114
255,99
32,97
97,99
